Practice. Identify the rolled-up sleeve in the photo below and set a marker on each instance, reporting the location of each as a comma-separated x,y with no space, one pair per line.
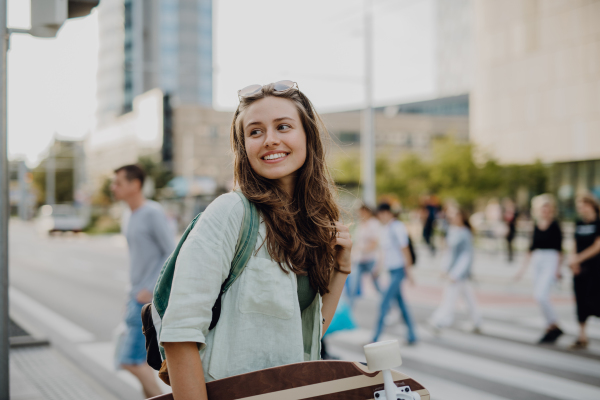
202,266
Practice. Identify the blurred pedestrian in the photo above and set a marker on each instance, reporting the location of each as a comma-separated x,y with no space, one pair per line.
457,271
364,250
585,264
275,312
150,242
510,219
545,255
398,261
429,211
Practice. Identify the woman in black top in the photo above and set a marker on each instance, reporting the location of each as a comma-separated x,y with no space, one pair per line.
585,264
545,254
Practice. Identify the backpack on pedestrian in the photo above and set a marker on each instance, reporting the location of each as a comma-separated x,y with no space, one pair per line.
411,248
152,313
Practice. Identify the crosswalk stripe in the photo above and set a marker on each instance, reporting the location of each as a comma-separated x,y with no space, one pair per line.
523,352
440,389
569,327
102,353
44,315
480,367
522,334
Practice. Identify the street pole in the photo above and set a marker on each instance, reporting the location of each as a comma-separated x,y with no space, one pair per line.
4,213
368,132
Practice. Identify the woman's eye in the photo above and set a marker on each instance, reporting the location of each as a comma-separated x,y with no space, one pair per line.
284,127
254,132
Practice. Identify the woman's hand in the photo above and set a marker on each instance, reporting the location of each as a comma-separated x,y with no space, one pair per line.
574,264
144,296
343,246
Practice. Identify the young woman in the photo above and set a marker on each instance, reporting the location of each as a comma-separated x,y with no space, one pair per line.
457,271
278,309
545,254
585,264
366,241
398,261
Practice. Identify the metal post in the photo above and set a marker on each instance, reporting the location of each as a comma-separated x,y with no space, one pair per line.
51,177
368,131
4,213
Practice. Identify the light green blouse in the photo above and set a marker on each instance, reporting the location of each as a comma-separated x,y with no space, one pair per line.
261,324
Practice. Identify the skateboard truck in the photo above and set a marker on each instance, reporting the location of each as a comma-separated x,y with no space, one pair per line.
383,356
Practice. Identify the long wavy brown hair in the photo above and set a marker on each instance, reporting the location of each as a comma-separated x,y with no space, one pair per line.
299,228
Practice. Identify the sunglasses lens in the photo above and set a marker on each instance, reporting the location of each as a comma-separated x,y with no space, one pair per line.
249,90
283,85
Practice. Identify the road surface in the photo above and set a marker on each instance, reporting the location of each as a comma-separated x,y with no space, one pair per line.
75,286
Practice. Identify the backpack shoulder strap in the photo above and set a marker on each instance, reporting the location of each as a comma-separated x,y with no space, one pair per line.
162,290
243,252
246,242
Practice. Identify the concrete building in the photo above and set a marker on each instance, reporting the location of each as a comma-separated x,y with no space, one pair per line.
454,47
536,94
401,129
21,193
147,44
144,131
201,145
201,137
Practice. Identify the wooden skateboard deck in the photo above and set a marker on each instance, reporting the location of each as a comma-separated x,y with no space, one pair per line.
314,380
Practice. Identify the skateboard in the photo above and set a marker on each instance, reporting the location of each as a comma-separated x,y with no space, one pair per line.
324,380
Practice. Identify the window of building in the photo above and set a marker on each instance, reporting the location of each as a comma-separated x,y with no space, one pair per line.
349,137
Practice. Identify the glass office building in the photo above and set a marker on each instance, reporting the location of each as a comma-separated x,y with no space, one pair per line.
147,44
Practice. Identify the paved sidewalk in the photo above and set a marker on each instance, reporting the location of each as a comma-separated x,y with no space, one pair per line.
42,373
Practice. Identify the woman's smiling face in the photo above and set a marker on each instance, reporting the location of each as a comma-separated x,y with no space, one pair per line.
275,139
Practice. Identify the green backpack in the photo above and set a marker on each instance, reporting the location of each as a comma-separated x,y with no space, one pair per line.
152,313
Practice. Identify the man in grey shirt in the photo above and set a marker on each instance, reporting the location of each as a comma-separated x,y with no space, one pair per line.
151,241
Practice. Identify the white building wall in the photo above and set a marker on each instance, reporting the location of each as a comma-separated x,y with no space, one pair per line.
454,47
111,59
537,80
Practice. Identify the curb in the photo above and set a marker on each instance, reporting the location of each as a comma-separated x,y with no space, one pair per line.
39,332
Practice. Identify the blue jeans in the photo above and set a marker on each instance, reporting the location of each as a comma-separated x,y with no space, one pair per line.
363,268
131,349
394,291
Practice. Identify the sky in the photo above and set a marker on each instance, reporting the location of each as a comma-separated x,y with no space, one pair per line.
319,44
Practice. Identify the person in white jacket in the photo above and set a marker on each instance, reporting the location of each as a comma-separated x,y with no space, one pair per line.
457,271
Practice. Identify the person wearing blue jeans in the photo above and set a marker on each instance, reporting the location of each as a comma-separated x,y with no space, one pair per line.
362,268
398,261
150,241
364,250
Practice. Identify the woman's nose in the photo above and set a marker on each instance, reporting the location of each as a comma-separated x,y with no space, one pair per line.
272,138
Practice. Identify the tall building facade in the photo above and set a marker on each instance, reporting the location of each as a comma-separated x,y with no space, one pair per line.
537,88
147,44
454,47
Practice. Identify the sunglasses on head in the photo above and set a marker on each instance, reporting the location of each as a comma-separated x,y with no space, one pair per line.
278,87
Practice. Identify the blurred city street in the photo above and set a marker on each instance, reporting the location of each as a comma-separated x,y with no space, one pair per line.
72,288
463,134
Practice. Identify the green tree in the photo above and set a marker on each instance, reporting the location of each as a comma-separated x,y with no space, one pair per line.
452,173
346,170
156,170
407,179
63,185
534,177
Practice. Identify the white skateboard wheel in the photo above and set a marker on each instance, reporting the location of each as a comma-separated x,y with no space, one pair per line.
383,355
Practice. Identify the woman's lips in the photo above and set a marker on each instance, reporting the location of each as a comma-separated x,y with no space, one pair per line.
276,160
